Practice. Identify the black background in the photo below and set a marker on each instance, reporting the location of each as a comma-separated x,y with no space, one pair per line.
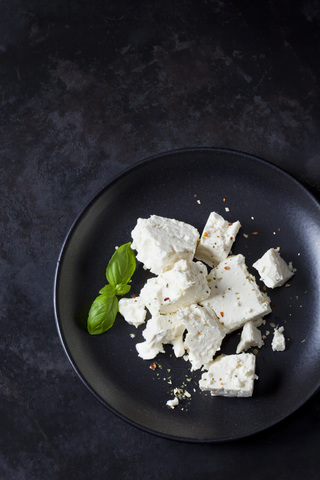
88,89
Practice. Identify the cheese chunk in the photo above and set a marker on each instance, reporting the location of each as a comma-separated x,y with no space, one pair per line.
161,242
273,270
250,337
234,294
161,330
216,240
184,284
133,310
205,334
278,342
230,376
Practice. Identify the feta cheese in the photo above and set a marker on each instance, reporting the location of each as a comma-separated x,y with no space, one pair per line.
160,330
161,242
250,337
278,342
173,403
133,310
149,351
273,270
230,376
216,240
205,334
184,284
235,296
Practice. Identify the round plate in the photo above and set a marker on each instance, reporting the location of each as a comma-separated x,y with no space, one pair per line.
187,185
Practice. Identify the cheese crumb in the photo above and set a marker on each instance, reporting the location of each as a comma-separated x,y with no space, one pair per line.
278,341
173,403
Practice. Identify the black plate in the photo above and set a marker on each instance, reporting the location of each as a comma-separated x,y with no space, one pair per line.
188,185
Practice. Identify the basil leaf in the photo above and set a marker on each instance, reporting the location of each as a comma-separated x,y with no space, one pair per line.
121,265
103,312
108,290
122,289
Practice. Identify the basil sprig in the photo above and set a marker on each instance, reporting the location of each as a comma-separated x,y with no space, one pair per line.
105,307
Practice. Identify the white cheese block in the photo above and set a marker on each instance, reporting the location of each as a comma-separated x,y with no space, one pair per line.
216,240
133,310
234,294
273,270
230,376
161,242
161,330
205,334
278,342
250,337
184,284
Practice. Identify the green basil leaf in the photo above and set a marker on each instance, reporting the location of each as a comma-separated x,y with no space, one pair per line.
121,265
103,312
122,289
108,290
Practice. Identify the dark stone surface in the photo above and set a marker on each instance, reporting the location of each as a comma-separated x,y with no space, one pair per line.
88,89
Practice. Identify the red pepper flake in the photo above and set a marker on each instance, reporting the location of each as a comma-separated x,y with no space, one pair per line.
213,246
166,299
254,233
220,379
231,238
278,229
153,366
218,236
222,314
195,195
206,234
230,224
227,268
134,295
224,199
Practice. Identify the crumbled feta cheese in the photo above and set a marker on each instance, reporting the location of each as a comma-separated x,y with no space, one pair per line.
230,376
148,351
216,240
161,242
273,270
278,342
205,334
160,330
250,337
173,403
133,310
235,296
184,284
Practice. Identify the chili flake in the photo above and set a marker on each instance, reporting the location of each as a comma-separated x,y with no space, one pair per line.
206,234
227,268
153,366
166,299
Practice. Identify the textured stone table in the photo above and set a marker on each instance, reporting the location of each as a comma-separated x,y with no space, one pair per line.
88,89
